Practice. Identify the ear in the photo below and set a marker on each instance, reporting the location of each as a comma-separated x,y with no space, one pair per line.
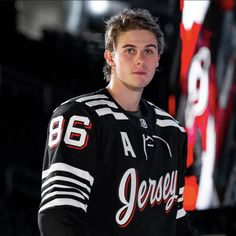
109,58
158,61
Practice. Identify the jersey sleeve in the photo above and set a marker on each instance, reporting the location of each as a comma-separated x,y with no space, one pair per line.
184,226
69,170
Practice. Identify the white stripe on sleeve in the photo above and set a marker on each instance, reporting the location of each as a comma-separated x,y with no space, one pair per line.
64,201
167,123
67,168
92,97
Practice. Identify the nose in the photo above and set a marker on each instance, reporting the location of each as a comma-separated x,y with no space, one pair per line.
139,59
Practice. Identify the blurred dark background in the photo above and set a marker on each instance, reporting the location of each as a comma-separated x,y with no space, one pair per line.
51,51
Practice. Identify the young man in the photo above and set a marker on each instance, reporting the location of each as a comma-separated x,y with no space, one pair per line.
114,163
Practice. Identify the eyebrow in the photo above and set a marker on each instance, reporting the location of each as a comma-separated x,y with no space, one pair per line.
131,45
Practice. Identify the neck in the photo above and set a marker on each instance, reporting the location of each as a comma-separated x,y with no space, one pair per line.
126,97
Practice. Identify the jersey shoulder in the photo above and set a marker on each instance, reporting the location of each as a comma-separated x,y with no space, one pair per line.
82,103
164,119
98,104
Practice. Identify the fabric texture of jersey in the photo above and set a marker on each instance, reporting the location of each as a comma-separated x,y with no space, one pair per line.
108,172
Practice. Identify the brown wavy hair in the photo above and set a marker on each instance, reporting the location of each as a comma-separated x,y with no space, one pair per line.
130,19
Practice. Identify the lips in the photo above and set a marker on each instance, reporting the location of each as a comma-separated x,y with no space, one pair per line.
139,73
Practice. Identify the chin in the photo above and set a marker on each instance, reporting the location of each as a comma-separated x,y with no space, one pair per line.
139,87
144,84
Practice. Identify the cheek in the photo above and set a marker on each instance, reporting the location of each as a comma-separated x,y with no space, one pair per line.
121,64
117,60
153,64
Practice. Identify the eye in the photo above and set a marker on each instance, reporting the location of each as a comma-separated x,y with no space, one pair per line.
130,50
149,51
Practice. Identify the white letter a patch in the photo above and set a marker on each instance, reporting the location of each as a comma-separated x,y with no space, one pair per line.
127,145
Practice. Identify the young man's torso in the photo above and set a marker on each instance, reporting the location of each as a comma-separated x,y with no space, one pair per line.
132,163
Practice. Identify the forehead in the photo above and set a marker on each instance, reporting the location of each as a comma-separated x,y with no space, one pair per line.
136,38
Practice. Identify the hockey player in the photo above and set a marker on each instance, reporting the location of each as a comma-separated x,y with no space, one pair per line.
114,163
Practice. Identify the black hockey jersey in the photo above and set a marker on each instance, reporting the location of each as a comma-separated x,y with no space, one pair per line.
109,172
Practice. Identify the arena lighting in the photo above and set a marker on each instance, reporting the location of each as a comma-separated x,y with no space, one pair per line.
98,7
74,9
